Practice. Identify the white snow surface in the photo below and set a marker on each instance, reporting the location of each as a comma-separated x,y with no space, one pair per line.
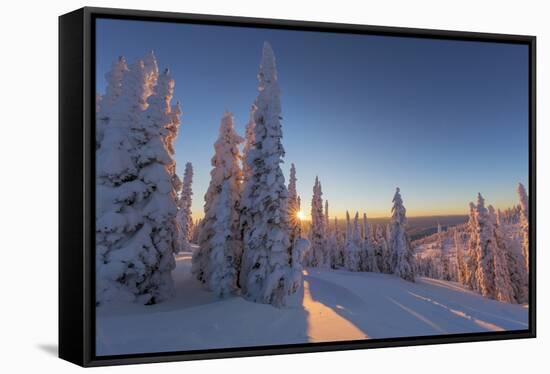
338,305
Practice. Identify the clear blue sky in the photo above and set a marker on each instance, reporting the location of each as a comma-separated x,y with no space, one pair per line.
440,119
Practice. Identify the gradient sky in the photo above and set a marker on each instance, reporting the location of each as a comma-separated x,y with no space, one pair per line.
442,120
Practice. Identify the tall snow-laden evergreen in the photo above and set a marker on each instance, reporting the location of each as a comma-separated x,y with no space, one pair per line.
515,263
317,229
384,264
107,103
503,286
333,246
136,227
249,141
327,220
217,260
402,256
524,222
245,219
196,230
293,206
266,272
485,249
472,252
461,264
352,252
185,219
371,253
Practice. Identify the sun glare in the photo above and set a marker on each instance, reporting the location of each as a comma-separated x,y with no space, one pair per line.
300,214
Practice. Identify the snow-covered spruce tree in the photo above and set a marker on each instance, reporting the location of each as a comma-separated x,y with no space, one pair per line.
365,245
158,170
266,272
348,243
352,254
327,221
332,246
357,241
106,103
136,228
249,141
387,233
245,219
293,207
217,260
485,249
524,222
370,249
172,128
184,216
402,256
503,286
317,231
460,262
515,262
445,265
196,230
471,259
382,249
224,247
171,119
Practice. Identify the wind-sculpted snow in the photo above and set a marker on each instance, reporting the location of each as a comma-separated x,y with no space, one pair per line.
338,305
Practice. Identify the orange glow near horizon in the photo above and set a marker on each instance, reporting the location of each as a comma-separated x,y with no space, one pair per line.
412,211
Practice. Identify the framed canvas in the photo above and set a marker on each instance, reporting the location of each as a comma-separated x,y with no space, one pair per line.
238,186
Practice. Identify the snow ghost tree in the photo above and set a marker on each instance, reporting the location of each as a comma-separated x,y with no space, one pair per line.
352,254
317,230
136,227
461,264
485,249
266,272
503,286
184,216
293,206
515,263
371,253
249,141
195,231
327,220
333,247
384,264
217,260
402,256
107,103
471,254
524,222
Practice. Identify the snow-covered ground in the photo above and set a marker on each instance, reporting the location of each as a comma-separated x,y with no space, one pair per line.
338,305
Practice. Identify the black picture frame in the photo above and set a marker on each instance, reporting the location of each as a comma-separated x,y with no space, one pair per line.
76,190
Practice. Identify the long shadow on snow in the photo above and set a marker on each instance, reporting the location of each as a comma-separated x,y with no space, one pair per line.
386,306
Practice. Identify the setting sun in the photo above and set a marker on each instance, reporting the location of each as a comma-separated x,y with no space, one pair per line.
300,214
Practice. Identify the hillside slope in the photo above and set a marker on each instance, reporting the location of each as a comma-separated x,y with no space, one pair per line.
338,305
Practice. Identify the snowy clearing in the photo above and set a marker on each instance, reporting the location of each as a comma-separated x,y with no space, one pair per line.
338,305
